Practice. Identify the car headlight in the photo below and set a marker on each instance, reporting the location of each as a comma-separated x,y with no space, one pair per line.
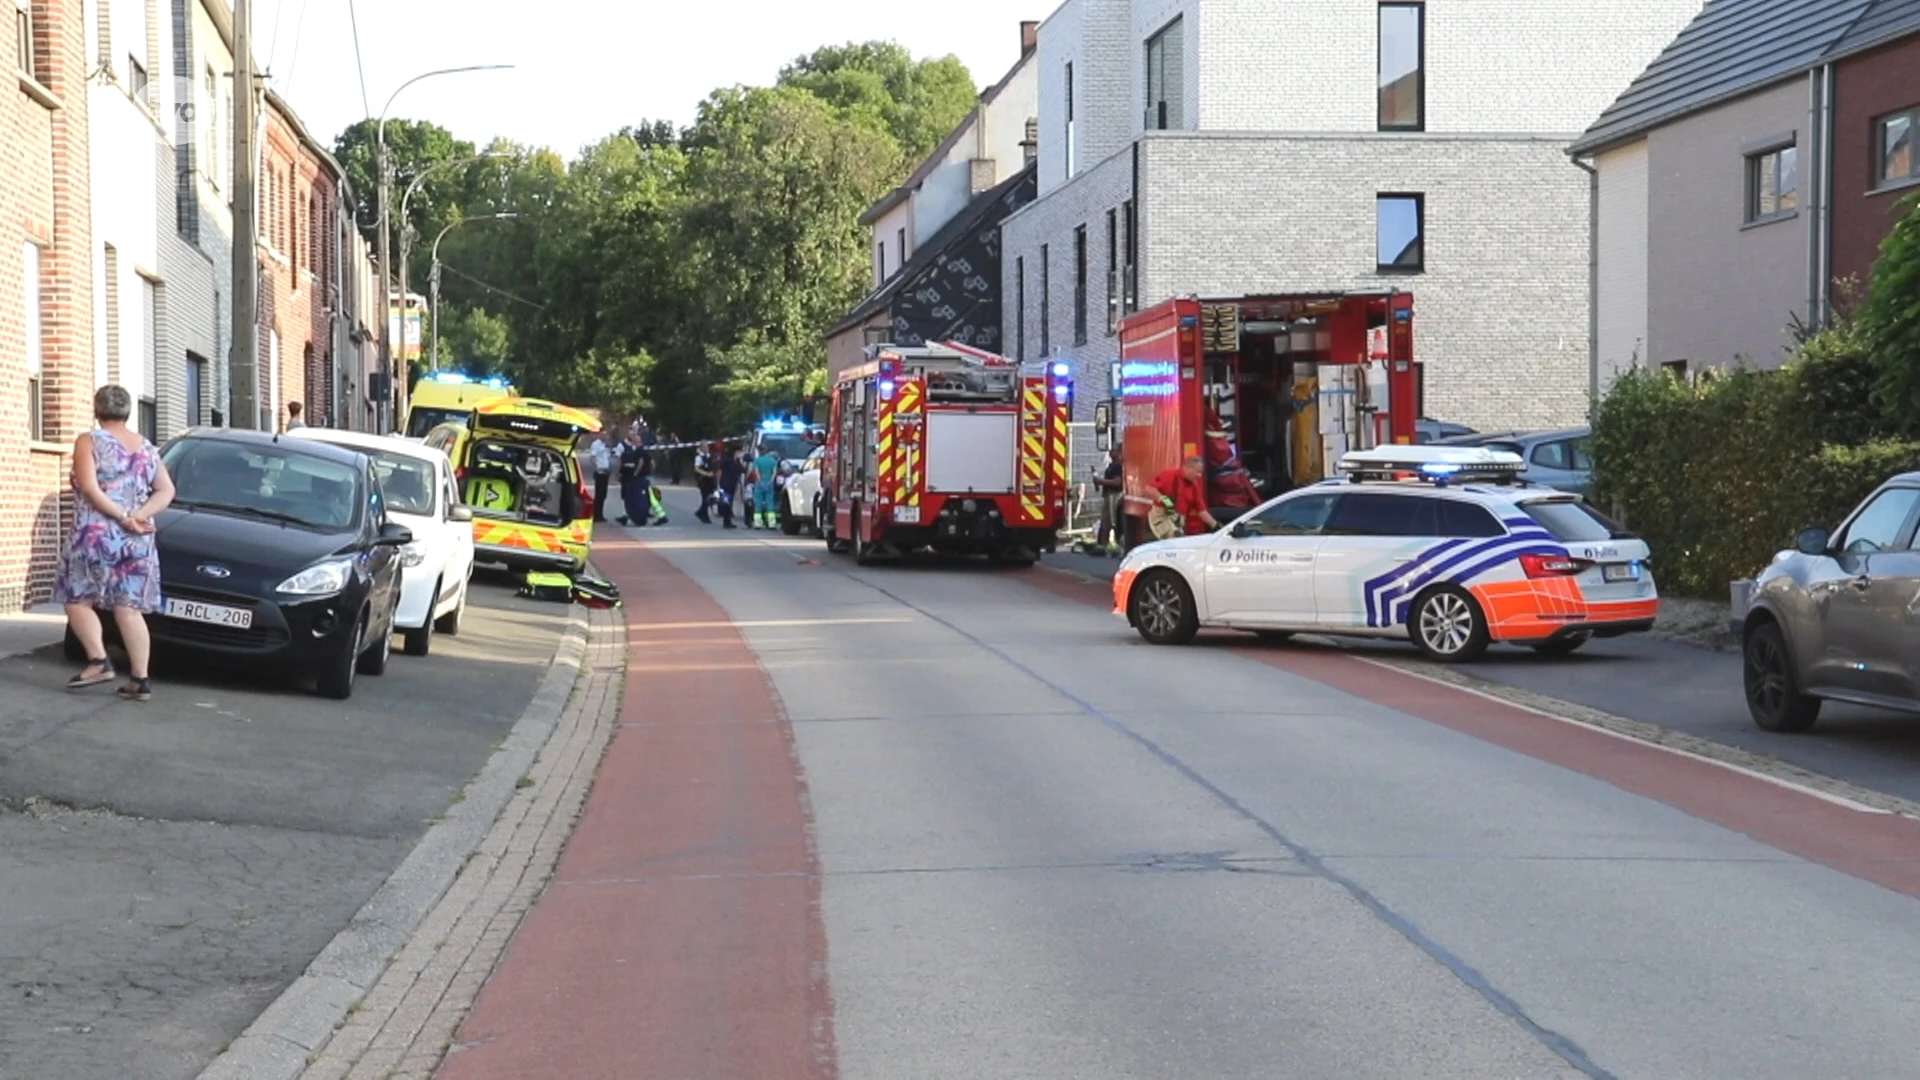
413,554
319,579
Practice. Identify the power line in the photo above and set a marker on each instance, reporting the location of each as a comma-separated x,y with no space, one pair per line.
365,105
490,288
293,62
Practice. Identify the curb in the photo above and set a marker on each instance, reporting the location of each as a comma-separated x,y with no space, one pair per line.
298,1022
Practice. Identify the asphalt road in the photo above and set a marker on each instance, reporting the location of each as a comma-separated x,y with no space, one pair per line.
1682,687
167,868
1049,850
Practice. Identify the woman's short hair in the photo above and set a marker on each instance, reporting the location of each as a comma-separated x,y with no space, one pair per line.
112,403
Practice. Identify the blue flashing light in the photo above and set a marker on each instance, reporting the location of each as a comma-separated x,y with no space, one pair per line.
1439,468
1061,391
886,389
496,383
1061,369
452,377
1141,369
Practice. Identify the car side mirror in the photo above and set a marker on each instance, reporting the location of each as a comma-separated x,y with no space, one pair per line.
1813,540
460,513
1241,530
395,534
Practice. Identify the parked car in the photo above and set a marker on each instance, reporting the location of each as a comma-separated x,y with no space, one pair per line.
435,569
800,506
1832,619
1426,431
1562,460
278,554
515,466
1453,560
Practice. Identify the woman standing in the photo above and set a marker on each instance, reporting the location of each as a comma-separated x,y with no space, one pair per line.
110,561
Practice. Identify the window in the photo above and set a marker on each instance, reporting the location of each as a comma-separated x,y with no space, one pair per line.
210,154
1304,516
1571,521
196,390
1377,514
1130,246
879,262
1080,285
1879,525
36,369
150,348
137,79
1071,162
23,34
1166,107
1464,519
1401,232
1567,454
1773,184
901,238
1020,308
1046,304
1894,159
1113,271
1403,67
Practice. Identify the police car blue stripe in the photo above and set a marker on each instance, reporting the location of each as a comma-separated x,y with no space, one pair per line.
1383,591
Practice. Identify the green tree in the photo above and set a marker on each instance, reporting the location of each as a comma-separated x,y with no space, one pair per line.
415,146
917,101
1890,321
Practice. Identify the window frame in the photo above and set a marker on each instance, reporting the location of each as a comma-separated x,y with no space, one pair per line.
1020,307
195,379
1757,169
1130,254
1410,505
1257,519
1159,114
1113,271
1072,158
1883,180
33,306
1080,285
26,59
1419,200
1046,303
1419,122
1903,535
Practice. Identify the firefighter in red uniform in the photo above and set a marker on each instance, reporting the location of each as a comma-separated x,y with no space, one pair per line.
1183,492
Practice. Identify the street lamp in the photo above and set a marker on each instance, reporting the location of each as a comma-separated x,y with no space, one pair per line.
406,223
386,198
433,279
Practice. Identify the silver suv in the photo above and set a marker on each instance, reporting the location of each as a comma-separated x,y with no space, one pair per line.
1838,617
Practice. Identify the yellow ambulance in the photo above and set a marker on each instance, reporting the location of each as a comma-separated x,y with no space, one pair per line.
447,397
514,464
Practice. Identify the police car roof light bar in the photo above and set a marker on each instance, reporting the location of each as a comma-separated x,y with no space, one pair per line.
1434,464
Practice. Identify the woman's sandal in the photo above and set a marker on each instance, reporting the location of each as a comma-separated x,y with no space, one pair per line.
138,690
102,672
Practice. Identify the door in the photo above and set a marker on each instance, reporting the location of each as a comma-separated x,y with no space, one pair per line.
1260,572
1868,604
460,562
1374,540
383,562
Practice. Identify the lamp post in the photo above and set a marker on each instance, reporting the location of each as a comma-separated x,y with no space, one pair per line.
406,223
433,280
385,166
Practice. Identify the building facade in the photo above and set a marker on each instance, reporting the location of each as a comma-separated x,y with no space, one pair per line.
1229,147
1746,179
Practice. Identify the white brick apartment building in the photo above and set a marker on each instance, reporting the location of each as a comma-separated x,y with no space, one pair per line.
1261,147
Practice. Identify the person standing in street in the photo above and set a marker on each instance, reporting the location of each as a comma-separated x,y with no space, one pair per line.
703,477
1110,482
110,560
601,457
636,481
764,475
731,471
294,423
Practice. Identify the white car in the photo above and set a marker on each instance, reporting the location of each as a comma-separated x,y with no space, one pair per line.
417,483
1441,545
800,497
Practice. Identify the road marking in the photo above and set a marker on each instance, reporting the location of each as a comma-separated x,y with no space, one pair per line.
763,623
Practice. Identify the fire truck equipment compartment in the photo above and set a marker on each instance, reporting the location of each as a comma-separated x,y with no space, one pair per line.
971,452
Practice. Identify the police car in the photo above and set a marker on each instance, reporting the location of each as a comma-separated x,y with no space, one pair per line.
1445,546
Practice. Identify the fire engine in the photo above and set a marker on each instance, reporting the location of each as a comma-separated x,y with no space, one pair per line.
947,448
1270,390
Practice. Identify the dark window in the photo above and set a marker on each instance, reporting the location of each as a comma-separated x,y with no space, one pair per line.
1400,225
196,391
149,419
1569,454
1894,159
1403,67
1080,285
1302,516
137,80
1879,525
1113,271
901,236
880,261
35,342
1046,304
1020,308
1130,272
1071,157
23,27
1379,514
1773,183
1465,519
1571,521
1165,81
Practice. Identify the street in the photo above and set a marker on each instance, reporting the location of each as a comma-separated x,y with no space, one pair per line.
1012,840
167,868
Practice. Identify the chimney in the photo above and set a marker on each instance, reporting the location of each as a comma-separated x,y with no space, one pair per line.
1029,37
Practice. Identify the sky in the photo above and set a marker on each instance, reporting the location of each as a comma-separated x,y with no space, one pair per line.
580,76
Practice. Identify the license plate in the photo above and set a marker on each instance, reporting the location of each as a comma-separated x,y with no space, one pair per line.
217,614
1620,572
907,515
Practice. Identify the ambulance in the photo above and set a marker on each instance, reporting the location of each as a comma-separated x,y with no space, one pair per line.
447,397
514,465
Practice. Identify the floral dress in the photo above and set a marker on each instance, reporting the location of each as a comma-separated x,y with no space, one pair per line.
102,563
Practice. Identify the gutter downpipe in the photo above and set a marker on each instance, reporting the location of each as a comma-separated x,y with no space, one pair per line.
1820,208
1593,287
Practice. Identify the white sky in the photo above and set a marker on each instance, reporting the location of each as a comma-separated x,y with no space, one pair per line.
584,68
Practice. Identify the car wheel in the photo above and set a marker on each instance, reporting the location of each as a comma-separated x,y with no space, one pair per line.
835,545
1561,646
374,660
1773,689
449,624
336,680
1162,608
1447,626
790,524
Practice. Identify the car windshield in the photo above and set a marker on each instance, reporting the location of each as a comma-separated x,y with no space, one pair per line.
405,481
787,446
420,421
1571,521
278,482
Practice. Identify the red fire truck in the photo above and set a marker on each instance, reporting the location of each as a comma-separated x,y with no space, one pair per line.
1274,388
947,448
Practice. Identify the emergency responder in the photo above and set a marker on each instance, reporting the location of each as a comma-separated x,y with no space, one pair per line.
636,481
1109,484
703,476
1183,501
764,476
730,472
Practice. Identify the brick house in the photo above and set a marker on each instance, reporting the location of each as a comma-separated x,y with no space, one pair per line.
299,282
1226,147
46,321
1752,167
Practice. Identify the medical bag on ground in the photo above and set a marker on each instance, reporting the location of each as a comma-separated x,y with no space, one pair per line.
543,586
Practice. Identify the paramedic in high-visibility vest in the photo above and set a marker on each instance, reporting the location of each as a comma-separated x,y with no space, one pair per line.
1183,500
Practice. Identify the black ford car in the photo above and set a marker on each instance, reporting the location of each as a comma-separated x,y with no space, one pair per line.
277,554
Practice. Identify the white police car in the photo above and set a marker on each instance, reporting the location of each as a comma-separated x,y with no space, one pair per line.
1443,545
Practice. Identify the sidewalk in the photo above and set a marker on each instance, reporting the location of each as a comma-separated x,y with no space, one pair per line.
37,627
